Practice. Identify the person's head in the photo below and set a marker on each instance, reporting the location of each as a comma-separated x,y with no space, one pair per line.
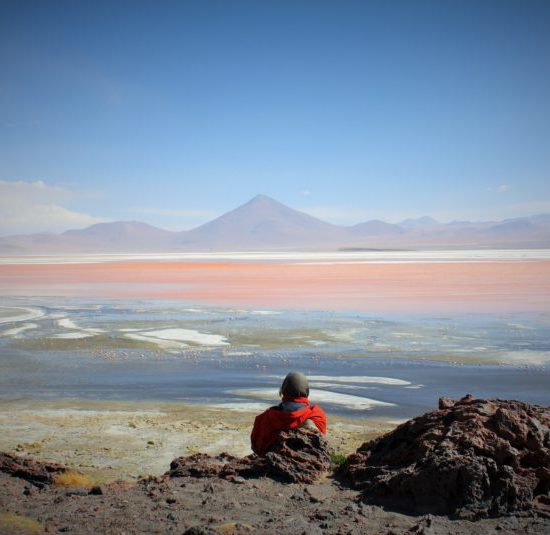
295,385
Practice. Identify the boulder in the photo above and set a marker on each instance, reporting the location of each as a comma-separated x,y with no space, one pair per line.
39,473
471,458
298,455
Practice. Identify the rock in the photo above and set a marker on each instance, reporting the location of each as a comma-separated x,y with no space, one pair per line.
39,473
471,458
298,455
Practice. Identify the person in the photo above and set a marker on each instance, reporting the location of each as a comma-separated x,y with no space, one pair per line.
294,411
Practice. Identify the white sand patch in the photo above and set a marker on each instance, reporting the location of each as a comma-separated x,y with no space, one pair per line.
397,422
18,330
242,407
128,330
319,396
316,343
264,312
360,379
21,314
74,335
188,335
237,353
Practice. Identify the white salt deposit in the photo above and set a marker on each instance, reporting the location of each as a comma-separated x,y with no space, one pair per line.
338,385
164,344
68,323
171,338
242,407
24,314
523,357
318,396
73,335
18,330
389,257
360,379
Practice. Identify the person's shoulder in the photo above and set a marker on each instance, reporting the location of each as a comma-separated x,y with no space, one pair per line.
316,409
268,410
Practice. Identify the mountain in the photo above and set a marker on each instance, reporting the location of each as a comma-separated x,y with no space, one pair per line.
375,227
420,222
265,224
121,236
262,223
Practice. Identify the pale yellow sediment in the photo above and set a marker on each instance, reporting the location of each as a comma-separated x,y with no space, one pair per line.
123,439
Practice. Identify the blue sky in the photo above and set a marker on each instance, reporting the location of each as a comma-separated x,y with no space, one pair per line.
172,112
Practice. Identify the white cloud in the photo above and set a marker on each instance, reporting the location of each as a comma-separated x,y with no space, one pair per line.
29,207
501,188
305,193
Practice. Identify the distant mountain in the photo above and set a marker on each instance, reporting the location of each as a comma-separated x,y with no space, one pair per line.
420,222
375,227
262,223
121,236
265,224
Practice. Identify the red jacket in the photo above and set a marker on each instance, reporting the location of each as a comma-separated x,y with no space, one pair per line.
268,424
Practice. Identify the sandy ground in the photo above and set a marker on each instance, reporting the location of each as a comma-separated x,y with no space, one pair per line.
490,286
110,440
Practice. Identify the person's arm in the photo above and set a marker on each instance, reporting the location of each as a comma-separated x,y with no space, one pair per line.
319,418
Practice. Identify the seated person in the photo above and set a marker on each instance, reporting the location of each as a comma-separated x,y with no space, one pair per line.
294,411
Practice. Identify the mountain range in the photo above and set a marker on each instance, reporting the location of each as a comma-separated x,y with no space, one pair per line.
264,224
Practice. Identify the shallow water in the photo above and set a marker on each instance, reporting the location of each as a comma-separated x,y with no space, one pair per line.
359,364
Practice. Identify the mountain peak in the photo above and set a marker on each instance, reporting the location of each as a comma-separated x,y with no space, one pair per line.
262,199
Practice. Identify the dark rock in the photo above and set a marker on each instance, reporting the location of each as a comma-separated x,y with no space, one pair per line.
298,455
96,491
39,473
472,458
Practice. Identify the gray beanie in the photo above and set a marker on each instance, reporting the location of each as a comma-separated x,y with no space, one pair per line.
295,385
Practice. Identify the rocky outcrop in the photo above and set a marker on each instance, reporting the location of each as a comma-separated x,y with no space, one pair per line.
471,458
39,473
298,455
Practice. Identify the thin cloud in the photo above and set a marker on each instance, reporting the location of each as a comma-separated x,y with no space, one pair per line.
501,188
29,207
